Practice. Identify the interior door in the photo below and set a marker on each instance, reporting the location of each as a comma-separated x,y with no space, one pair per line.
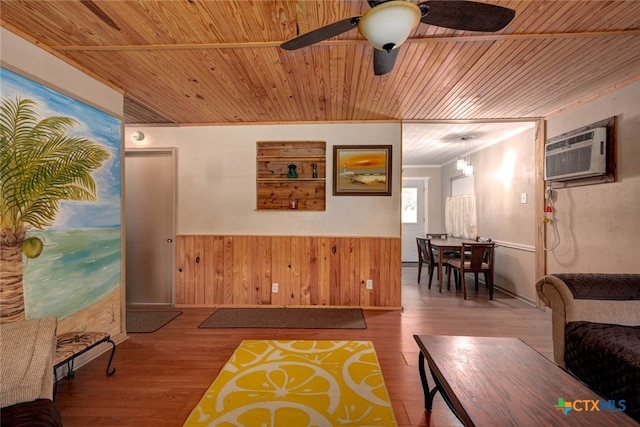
413,217
150,182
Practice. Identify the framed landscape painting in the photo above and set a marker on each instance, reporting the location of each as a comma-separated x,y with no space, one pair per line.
362,170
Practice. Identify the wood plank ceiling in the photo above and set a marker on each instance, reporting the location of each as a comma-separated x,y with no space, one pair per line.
219,62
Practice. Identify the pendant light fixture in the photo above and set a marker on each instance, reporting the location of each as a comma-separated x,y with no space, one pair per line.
460,162
463,161
467,169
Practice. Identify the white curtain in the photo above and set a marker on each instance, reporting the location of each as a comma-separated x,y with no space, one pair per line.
460,216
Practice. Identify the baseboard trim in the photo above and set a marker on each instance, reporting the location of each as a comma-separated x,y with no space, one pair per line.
516,296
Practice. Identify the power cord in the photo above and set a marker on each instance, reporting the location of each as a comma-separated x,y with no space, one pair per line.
549,218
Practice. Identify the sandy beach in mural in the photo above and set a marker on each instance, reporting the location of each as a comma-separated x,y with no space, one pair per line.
102,316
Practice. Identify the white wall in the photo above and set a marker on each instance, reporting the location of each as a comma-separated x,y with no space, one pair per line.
217,180
503,172
599,225
28,60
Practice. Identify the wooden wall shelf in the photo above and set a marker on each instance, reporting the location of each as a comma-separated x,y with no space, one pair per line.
275,190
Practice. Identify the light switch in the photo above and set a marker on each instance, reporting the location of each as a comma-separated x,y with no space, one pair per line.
523,198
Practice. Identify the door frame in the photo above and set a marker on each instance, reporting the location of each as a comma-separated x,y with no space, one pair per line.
172,151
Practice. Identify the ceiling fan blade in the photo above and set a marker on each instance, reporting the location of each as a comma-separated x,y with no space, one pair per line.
320,34
466,15
384,61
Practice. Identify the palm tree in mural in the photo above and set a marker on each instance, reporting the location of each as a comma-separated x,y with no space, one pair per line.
41,164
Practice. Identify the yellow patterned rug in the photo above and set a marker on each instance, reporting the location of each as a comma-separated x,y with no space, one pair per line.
297,384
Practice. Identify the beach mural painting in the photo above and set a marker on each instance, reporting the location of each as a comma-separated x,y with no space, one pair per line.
362,170
60,169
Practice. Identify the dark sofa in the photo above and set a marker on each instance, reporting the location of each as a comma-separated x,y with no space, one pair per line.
596,332
36,413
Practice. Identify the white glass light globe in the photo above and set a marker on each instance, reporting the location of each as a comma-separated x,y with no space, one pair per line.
388,25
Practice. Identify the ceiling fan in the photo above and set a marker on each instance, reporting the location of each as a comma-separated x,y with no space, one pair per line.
389,22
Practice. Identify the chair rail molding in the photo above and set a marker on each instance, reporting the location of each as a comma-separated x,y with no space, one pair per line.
516,246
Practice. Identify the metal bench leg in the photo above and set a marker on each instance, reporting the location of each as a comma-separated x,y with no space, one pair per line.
113,352
70,372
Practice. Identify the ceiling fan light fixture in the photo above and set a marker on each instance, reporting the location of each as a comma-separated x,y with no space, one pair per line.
387,25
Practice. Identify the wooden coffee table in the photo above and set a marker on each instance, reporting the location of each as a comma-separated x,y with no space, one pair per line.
488,381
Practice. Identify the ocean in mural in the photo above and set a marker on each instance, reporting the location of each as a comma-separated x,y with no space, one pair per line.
76,269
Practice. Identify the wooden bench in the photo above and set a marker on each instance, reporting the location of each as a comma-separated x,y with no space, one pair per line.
73,344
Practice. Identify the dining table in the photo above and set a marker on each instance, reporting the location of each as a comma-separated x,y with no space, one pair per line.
450,244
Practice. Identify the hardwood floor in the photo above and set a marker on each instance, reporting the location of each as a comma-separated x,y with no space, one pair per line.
162,375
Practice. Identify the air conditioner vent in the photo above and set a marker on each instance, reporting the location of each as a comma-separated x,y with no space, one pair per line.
570,141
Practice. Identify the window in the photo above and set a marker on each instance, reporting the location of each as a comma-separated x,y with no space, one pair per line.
409,205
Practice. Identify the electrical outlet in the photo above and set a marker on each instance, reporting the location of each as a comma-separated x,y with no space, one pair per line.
523,198
369,284
274,288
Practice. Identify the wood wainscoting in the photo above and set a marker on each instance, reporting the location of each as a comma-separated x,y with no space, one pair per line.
214,270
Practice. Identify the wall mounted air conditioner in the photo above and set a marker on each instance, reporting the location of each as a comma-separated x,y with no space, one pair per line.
578,156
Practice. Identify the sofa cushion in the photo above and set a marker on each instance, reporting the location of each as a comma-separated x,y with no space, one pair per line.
601,286
607,358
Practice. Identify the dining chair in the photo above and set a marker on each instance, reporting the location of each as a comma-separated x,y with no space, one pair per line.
483,240
426,256
480,260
